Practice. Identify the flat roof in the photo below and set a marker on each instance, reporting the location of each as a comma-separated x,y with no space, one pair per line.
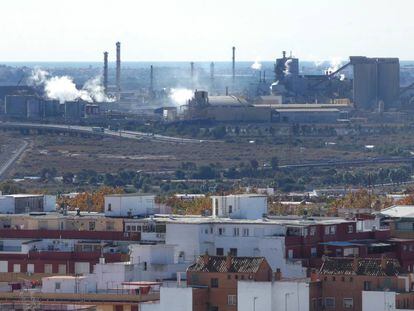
283,221
130,195
23,195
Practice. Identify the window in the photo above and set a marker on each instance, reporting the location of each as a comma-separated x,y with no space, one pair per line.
48,268
305,232
245,232
350,228
219,251
228,276
332,229
312,231
236,231
214,283
233,252
62,269
91,226
367,285
231,300
57,285
343,279
133,228
410,248
16,268
351,279
236,277
333,279
194,279
404,248
326,230
221,231
109,207
230,209
330,302
30,268
348,303
128,228
313,252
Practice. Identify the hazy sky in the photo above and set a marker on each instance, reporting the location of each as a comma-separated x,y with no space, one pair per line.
178,30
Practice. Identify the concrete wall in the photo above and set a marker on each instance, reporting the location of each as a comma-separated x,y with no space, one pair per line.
6,205
68,285
273,296
119,205
239,206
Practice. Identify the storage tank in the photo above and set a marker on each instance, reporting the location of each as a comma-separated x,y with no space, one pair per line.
365,82
388,81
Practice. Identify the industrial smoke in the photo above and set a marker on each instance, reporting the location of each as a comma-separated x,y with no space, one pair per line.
180,96
63,89
256,65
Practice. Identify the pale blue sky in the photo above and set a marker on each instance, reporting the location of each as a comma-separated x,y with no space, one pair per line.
178,30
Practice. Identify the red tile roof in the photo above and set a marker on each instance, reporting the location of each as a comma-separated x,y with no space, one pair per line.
360,266
221,264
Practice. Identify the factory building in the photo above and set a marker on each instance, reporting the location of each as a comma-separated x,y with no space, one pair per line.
225,108
23,106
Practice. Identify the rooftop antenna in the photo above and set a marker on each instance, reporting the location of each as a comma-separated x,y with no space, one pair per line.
151,79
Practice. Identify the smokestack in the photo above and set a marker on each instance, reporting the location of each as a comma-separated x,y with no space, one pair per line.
227,91
105,72
264,76
151,78
212,71
118,67
234,63
192,72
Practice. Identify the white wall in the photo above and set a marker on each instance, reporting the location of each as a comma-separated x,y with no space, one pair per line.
6,205
154,254
69,285
263,240
121,205
111,275
273,296
378,301
49,203
242,206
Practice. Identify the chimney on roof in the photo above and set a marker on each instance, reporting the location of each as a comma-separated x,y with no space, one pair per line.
313,276
383,262
228,261
206,258
355,264
278,274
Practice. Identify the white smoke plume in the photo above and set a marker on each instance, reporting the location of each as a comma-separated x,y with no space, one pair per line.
287,67
180,96
335,64
256,65
64,89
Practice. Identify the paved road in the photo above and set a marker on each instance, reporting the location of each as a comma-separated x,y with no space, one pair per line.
356,162
11,156
88,129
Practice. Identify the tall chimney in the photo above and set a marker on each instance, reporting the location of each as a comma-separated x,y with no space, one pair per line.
212,71
192,71
151,79
105,72
118,67
234,63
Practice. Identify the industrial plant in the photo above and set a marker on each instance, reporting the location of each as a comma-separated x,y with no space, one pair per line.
287,93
